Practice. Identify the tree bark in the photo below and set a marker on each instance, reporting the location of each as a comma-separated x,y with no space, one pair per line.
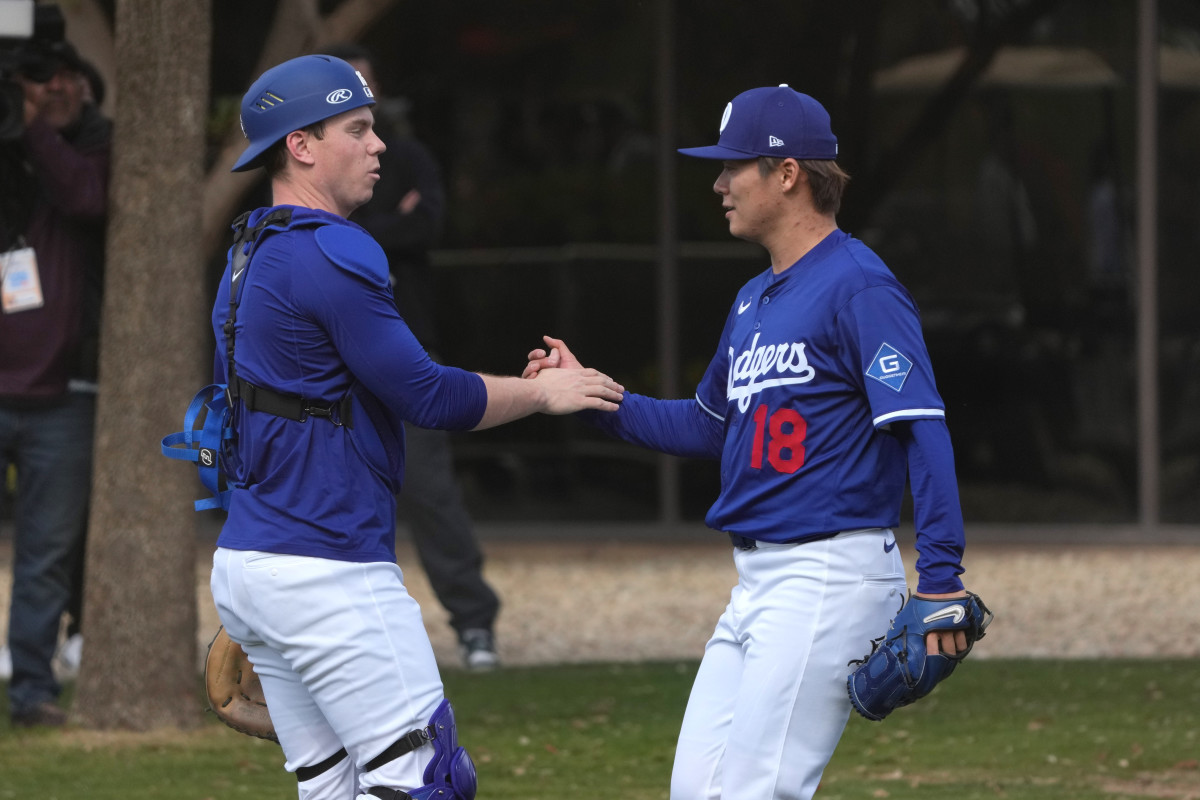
139,665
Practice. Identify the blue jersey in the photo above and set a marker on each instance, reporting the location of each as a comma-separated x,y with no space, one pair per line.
811,364
814,367
316,319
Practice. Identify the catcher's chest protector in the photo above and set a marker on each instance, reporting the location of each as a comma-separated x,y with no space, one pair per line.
208,431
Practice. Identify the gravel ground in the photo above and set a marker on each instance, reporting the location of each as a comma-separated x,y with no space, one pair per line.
581,599
571,601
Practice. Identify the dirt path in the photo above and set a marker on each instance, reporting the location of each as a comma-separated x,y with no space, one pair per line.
620,601
580,601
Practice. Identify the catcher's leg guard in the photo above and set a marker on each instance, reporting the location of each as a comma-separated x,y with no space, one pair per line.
450,774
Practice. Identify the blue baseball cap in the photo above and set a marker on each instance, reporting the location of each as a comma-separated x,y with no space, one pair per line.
774,121
294,95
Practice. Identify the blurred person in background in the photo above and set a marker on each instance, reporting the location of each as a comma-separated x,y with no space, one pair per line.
55,170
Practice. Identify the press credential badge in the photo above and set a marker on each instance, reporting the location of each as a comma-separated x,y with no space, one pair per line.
22,286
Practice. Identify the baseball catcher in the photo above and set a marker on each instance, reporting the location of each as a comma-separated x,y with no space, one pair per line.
899,670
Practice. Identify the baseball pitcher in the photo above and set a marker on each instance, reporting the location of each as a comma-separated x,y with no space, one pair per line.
819,402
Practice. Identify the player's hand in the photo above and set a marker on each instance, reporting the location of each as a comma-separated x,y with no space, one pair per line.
946,642
569,390
409,202
559,357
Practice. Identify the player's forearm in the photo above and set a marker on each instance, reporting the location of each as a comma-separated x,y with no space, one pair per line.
552,391
509,399
937,513
676,427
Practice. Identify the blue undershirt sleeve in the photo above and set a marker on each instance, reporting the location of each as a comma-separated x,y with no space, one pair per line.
936,509
677,427
387,359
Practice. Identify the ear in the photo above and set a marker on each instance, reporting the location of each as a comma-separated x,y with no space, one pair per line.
297,143
791,175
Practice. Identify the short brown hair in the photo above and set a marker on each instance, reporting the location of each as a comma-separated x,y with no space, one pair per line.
827,179
275,159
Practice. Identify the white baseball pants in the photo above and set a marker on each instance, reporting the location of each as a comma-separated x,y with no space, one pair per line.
769,703
344,661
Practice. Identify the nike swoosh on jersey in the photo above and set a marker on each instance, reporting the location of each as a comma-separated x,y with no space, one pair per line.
743,306
957,612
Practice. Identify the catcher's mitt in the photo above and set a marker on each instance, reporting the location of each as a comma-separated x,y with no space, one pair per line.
235,694
898,671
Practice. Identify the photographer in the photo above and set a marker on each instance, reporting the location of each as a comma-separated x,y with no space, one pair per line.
52,220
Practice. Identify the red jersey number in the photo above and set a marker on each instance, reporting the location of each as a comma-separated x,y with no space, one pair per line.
783,434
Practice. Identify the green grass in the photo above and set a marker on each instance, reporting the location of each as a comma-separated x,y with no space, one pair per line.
1067,730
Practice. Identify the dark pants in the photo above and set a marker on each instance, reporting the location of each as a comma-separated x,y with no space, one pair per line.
442,531
52,449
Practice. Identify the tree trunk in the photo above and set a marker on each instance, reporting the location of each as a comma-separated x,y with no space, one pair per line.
139,664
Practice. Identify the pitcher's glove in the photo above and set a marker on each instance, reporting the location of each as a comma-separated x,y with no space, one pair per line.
235,694
898,670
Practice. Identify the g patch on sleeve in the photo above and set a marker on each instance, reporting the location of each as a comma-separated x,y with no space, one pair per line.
890,367
354,251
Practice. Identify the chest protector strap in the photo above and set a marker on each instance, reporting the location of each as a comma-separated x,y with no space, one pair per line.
261,398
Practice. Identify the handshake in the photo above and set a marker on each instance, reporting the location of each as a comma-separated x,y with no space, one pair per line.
575,388
553,382
559,357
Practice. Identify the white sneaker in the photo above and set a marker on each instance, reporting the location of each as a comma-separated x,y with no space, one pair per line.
478,647
69,656
5,663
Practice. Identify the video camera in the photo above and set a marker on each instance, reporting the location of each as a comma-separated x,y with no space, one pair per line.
32,44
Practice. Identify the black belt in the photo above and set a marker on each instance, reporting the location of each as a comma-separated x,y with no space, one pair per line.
746,543
743,542
289,406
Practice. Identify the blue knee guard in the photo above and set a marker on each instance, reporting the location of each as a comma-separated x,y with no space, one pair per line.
450,774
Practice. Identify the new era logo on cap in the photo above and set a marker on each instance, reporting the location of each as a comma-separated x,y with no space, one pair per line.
772,121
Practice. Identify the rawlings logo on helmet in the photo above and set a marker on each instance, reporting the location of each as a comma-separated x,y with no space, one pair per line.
339,96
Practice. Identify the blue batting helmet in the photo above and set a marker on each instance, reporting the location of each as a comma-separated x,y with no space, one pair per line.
294,95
